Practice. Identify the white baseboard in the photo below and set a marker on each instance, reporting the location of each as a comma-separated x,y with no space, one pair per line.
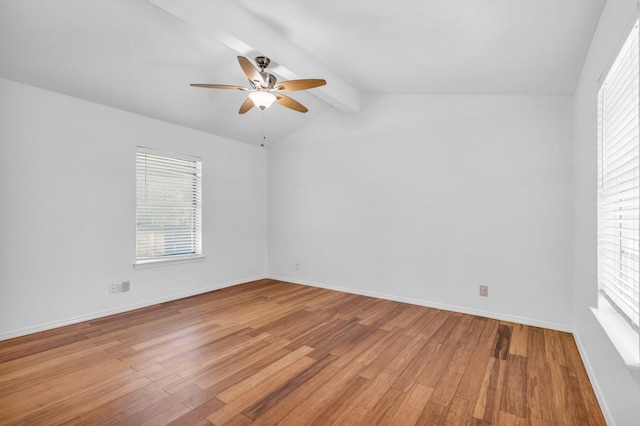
387,296
594,383
430,304
121,309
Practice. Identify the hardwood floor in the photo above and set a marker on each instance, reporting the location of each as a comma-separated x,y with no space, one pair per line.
269,352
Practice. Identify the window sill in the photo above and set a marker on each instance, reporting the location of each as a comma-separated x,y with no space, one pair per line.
144,264
624,338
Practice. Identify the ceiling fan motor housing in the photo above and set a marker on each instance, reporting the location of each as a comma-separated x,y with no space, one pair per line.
268,82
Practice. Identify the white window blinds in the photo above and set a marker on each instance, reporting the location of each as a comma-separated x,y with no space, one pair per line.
168,206
618,176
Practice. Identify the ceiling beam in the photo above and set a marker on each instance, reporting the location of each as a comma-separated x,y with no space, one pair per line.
234,26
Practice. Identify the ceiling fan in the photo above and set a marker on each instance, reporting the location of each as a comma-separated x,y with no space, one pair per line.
264,86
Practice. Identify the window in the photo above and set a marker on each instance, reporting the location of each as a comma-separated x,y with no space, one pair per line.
168,206
618,197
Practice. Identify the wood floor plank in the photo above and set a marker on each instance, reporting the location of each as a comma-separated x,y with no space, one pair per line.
340,401
22,350
251,355
367,356
298,396
460,413
166,416
471,381
113,412
427,323
408,353
85,402
445,389
319,401
198,415
30,398
239,420
385,409
192,332
269,352
519,339
459,334
323,298
318,333
357,350
540,408
46,359
575,401
164,410
536,348
553,348
433,414
366,400
514,397
237,403
421,361
386,313
581,383
563,401
57,365
341,340
438,329
249,383
508,419
391,353
472,334
412,406
232,378
197,361
436,366
404,319
277,394
501,350
488,404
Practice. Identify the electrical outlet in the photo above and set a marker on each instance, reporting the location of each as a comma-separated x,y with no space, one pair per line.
484,290
119,287
297,266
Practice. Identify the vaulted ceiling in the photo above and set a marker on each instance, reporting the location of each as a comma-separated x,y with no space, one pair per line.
141,55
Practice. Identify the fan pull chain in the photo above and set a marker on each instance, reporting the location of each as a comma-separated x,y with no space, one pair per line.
262,141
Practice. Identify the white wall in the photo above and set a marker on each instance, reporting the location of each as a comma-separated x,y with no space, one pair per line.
618,391
424,198
67,217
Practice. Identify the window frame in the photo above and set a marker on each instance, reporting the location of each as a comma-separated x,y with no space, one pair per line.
196,253
618,326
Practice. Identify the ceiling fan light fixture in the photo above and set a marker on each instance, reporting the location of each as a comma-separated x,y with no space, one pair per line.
261,99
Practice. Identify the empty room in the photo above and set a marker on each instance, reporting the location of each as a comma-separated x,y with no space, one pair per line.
315,213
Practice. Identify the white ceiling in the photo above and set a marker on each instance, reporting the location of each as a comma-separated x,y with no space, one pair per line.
140,55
